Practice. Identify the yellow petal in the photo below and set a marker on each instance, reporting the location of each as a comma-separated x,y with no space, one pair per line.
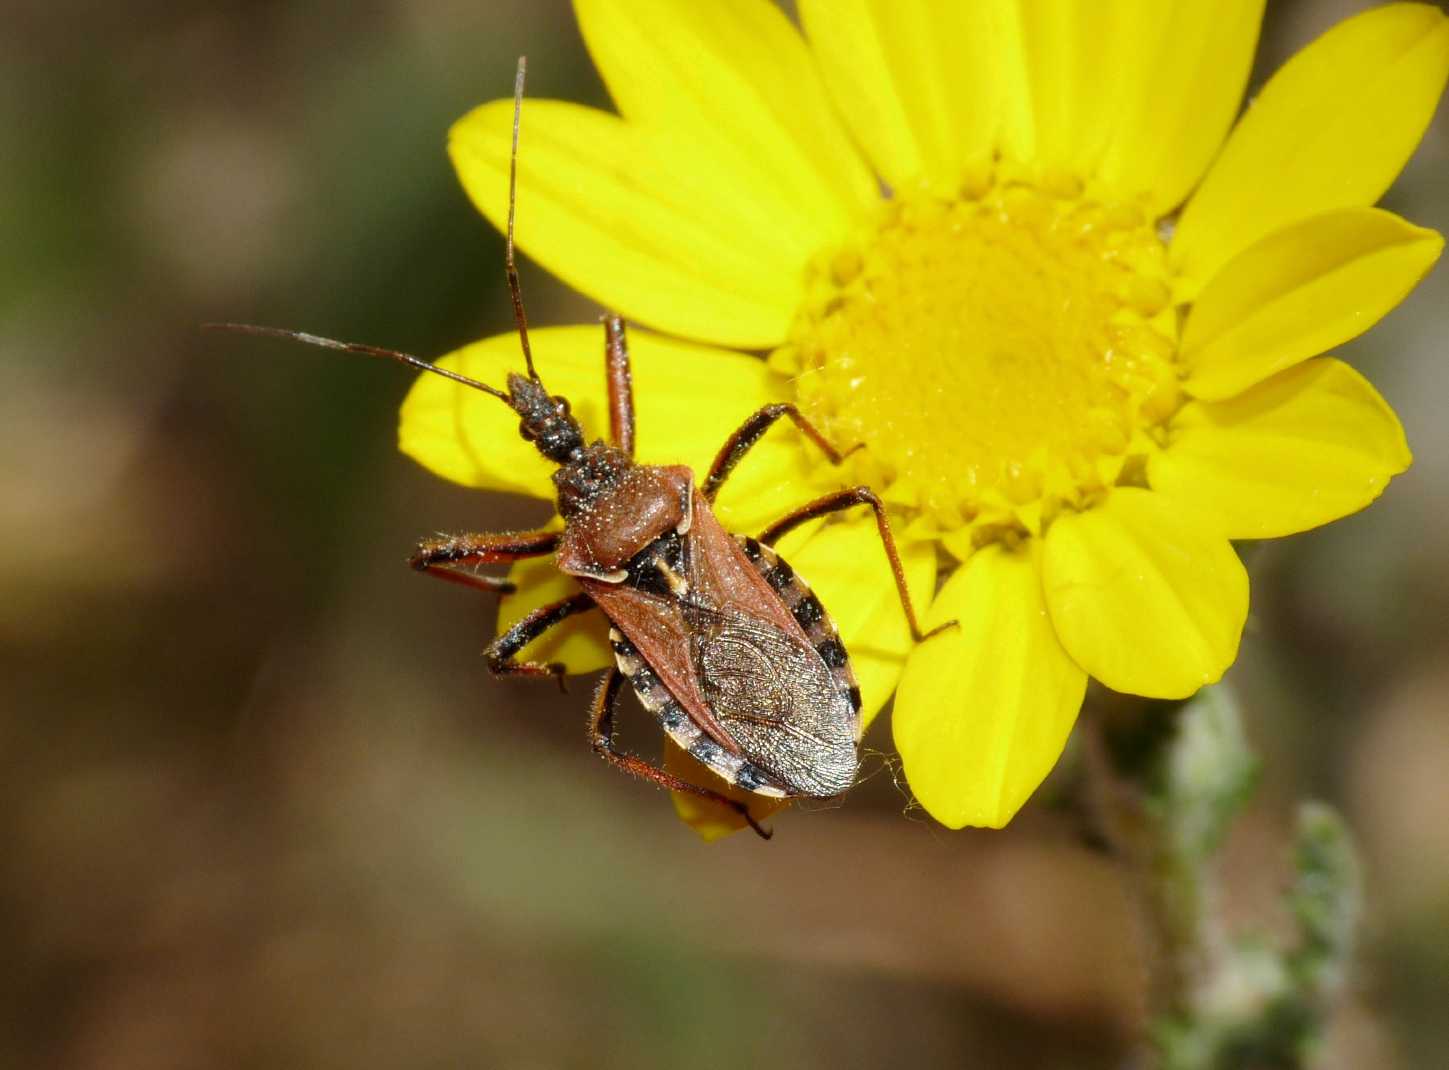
846,566
688,398
1299,292
1146,595
581,643
918,81
647,221
1331,129
1188,68
712,820
1310,445
984,710
1068,66
739,77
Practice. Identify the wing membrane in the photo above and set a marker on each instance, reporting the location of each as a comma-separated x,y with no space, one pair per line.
776,698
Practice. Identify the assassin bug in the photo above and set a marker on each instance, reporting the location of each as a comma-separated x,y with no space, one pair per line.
729,650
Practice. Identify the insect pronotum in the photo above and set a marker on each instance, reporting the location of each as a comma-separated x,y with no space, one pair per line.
718,637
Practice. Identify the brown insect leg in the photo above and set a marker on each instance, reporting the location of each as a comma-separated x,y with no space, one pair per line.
621,385
437,556
845,499
502,651
492,548
487,584
601,736
750,432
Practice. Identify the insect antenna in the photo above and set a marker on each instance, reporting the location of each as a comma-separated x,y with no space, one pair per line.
356,347
515,291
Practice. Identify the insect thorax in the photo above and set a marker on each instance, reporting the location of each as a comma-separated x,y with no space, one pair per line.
615,510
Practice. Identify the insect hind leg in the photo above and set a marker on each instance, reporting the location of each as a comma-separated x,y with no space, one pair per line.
601,737
846,499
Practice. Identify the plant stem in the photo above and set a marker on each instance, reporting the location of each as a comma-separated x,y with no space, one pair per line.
1168,782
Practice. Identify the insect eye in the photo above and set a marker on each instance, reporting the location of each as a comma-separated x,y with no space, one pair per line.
561,404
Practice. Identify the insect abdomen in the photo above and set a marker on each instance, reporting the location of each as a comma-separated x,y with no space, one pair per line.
819,629
655,697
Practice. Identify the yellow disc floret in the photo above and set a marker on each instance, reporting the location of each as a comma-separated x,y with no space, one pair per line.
997,356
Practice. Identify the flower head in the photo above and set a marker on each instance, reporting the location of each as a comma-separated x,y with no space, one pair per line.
1023,255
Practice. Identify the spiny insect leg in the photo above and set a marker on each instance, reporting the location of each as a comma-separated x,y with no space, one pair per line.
440,556
846,499
489,548
750,432
621,385
601,736
501,653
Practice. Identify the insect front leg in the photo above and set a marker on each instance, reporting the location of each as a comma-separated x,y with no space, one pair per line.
750,432
502,652
601,736
620,381
443,556
846,499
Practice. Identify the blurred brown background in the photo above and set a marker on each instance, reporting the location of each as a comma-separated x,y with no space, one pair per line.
260,803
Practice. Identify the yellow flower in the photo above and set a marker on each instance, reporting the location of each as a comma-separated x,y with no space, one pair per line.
1021,252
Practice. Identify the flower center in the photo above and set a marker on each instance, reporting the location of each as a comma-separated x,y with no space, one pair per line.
997,356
